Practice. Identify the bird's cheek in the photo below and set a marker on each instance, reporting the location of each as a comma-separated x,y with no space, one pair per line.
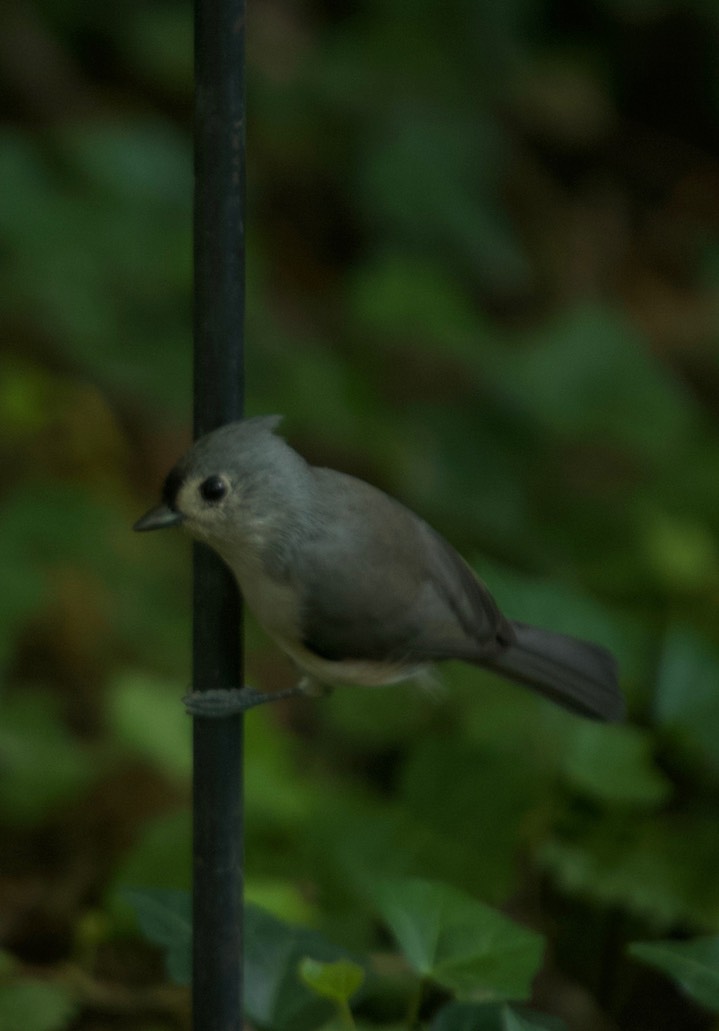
197,529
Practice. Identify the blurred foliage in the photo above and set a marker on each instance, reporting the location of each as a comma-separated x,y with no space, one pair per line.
483,272
291,973
694,964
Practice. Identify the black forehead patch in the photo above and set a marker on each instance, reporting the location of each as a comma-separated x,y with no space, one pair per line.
173,481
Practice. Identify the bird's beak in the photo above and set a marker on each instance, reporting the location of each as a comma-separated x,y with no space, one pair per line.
159,518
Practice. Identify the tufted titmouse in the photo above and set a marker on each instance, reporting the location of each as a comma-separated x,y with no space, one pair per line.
350,583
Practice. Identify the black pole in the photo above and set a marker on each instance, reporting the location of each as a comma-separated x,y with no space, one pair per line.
219,297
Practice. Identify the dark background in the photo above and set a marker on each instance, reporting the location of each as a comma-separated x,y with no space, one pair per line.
483,272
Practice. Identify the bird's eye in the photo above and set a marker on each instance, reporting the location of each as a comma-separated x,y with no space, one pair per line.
213,489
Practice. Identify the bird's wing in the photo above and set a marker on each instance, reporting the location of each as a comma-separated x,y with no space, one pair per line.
377,583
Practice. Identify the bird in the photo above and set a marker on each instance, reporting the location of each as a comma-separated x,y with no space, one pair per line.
351,584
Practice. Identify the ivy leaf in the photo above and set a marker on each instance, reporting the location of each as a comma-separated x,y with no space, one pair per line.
694,965
275,997
165,918
337,981
614,764
460,943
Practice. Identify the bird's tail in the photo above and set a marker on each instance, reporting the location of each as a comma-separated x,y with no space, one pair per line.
576,674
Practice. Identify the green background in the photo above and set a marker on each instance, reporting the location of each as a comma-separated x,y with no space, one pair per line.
483,272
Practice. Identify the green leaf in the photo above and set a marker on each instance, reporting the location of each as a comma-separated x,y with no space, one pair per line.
464,1016
165,918
694,965
279,896
140,162
275,997
681,551
401,297
661,867
453,939
686,698
614,764
337,981
148,715
590,373
121,249
36,1006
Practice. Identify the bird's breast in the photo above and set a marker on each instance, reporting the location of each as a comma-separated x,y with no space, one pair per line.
275,603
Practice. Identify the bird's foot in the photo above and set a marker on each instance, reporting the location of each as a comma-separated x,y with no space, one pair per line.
222,702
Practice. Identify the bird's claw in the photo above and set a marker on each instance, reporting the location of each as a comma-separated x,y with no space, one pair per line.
219,703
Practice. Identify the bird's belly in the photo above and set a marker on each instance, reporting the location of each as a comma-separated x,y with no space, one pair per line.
363,672
275,606
273,603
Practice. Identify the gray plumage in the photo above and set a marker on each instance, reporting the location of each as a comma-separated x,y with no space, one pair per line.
351,584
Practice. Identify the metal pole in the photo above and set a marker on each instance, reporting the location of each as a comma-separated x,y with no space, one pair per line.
219,297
